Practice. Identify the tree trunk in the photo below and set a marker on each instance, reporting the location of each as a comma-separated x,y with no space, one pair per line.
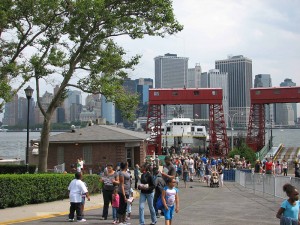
44,144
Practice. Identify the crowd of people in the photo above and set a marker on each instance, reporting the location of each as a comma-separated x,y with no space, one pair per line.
157,181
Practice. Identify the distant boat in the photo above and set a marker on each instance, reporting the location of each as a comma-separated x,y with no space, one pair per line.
3,130
182,132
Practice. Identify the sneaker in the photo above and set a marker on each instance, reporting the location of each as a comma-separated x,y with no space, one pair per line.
71,220
82,220
114,222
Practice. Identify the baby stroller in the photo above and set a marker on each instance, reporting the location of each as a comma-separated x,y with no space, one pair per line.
214,180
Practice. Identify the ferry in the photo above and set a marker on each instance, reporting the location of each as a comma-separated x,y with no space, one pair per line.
183,133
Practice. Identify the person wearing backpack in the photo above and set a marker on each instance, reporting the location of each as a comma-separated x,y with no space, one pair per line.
159,184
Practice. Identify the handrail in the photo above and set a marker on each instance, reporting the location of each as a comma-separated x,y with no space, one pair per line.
277,152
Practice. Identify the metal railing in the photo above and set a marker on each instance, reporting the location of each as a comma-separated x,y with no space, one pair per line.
265,183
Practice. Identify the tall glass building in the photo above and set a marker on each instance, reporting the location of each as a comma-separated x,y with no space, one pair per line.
239,69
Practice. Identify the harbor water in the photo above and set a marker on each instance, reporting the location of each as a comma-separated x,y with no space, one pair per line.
13,144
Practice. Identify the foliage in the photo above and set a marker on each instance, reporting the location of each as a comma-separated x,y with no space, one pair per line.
73,43
17,190
16,169
244,151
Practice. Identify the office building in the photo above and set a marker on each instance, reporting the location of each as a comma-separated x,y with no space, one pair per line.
286,113
239,69
171,72
108,110
73,100
215,79
11,112
264,80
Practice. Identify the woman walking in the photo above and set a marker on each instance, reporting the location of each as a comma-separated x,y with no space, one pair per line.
110,180
124,191
146,187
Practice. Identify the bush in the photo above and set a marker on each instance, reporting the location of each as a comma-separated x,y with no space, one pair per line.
244,151
16,169
17,190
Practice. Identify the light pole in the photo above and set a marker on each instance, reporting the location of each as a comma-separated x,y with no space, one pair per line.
28,92
231,125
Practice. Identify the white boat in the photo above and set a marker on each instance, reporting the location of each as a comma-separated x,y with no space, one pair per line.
3,130
181,132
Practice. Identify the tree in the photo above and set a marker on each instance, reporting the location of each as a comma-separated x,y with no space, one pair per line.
244,151
60,40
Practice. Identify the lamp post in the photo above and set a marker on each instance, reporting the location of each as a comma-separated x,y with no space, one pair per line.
231,125
28,92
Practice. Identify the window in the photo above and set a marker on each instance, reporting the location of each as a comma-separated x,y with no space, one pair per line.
174,93
88,154
257,92
168,129
196,92
192,129
156,93
214,92
277,92
199,129
60,155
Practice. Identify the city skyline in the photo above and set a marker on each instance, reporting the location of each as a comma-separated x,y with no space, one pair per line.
265,31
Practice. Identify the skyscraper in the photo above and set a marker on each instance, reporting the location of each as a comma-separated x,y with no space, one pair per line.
11,112
215,79
194,76
239,69
108,110
264,80
286,113
171,72
73,100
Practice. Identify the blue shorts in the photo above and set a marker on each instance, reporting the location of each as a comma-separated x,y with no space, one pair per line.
169,213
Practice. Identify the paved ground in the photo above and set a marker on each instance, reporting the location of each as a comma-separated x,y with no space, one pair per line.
202,205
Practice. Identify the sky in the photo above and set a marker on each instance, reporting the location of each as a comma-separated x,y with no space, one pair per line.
265,31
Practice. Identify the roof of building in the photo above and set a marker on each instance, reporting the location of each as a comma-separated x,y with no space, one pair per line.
98,133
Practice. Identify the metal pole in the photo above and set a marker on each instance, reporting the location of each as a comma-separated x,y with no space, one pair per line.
27,145
231,133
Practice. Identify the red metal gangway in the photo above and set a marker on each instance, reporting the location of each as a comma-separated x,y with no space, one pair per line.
177,96
260,97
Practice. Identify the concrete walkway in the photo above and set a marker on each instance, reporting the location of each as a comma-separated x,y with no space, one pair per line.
200,204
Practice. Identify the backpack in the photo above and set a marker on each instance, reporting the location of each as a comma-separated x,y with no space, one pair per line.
159,203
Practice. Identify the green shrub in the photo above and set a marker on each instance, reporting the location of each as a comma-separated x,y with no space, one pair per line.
16,190
244,151
16,169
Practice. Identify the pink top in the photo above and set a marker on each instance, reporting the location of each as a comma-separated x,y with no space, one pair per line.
115,200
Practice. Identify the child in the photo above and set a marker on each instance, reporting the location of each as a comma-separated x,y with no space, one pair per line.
289,209
115,205
83,196
185,173
170,200
129,203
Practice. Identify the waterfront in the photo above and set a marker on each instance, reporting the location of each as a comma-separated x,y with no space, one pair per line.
13,144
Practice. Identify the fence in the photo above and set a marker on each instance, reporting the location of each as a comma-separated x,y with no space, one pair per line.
59,168
265,183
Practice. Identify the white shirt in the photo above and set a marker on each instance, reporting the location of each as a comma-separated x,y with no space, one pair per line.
191,164
76,188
